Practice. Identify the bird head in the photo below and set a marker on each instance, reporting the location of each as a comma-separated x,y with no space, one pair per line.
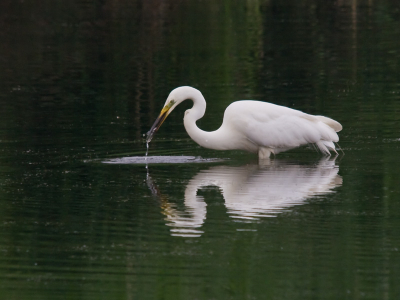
175,97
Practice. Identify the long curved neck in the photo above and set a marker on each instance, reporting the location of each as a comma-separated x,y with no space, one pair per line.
199,105
211,140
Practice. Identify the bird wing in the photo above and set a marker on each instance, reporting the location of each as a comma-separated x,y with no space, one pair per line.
274,126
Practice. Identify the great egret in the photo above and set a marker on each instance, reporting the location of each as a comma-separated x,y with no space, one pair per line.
253,126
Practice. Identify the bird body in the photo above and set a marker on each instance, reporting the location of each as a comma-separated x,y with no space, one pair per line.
253,126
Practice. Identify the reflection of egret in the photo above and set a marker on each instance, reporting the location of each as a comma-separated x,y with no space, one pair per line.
187,221
251,191
253,126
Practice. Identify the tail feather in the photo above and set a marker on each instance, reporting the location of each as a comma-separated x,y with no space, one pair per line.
331,123
324,147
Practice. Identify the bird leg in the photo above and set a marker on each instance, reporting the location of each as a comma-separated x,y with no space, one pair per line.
264,152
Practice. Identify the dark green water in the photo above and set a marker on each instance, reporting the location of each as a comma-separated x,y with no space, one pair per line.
82,81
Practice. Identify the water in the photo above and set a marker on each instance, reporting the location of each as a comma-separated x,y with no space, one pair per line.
245,189
84,214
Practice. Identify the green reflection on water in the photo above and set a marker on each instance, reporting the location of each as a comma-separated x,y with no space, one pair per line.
81,83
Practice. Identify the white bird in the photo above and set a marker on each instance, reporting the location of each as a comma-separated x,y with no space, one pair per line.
253,126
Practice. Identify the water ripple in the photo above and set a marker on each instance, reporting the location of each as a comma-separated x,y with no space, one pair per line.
160,160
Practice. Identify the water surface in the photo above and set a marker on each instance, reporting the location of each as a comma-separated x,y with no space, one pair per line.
80,84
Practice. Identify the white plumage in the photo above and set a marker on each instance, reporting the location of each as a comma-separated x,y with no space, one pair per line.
254,126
